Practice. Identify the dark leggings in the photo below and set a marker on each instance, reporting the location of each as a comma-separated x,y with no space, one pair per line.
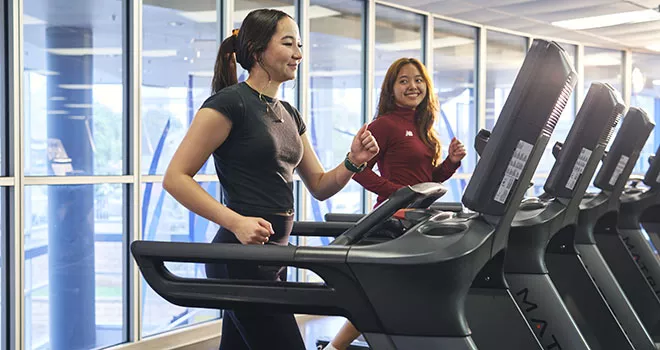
249,329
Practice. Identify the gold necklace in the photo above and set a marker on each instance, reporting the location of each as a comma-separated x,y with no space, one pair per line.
269,109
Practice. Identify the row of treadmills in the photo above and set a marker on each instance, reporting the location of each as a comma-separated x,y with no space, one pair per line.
567,270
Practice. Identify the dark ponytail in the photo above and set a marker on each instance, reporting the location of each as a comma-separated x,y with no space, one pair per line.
245,46
224,72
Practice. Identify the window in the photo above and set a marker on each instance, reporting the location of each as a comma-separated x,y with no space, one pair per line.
3,119
180,45
454,79
74,266
164,219
73,88
242,8
398,34
646,95
3,255
335,95
603,66
505,54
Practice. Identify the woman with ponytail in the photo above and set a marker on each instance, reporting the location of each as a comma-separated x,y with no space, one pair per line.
409,146
256,141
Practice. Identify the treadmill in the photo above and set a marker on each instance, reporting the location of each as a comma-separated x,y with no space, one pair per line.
538,220
626,243
409,292
582,277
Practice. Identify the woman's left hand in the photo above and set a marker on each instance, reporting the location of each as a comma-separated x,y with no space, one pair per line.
456,151
364,147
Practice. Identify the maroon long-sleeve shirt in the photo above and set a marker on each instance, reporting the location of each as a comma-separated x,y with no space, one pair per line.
403,159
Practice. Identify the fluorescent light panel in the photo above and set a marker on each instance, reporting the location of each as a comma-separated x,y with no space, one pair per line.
654,47
106,51
29,20
211,16
609,20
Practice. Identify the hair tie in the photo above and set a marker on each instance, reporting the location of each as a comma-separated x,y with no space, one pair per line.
234,37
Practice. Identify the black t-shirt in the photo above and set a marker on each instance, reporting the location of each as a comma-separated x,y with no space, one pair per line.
255,164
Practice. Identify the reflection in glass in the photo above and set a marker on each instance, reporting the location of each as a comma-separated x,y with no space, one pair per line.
164,219
74,259
646,95
178,55
335,97
3,118
454,76
73,87
505,54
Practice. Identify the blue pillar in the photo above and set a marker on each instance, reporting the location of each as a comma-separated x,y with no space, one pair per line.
71,208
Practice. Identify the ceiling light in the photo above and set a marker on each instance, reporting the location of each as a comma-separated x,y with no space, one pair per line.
207,74
106,51
27,20
211,16
78,105
656,82
609,20
76,86
654,47
44,72
638,80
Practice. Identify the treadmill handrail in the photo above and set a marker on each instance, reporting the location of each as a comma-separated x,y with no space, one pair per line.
320,228
233,293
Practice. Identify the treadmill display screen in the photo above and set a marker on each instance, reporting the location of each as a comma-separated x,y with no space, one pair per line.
539,94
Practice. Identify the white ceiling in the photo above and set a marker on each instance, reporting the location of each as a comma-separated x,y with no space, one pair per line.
535,17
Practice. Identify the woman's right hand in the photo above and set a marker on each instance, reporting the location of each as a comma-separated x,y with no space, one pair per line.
252,230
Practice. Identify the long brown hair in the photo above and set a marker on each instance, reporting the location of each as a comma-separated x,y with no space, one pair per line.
245,46
426,111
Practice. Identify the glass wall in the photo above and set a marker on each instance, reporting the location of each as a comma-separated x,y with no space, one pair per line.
167,220
73,88
454,79
180,39
604,66
74,259
335,95
646,95
505,54
74,125
3,117
3,257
